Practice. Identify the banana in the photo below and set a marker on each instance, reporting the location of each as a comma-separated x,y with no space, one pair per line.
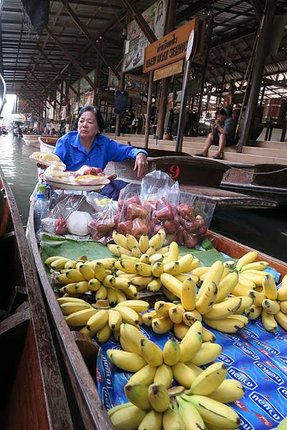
131,337
195,264
155,258
154,285
50,260
141,281
164,250
103,334
206,297
207,353
196,369
63,279
131,241
185,263
115,249
87,271
62,300
119,239
136,252
80,318
171,420
229,324
269,321
129,361
157,240
209,380
271,306
201,270
98,320
127,417
191,418
173,253
247,258
188,294
143,243
168,294
207,335
195,328
131,292
172,284
59,263
121,296
157,269
226,286
128,266
180,330
109,281
246,302
190,317
183,374
115,319
151,421
144,376
75,288
150,251
228,391
281,319
158,397
224,309
94,284
283,307
143,269
214,412
70,264
257,265
269,287
136,305
112,296
161,325
173,268
246,282
163,375
282,291
128,315
151,352
214,274
190,344
259,297
255,276
101,293
176,313
138,395
147,318
75,275
253,312
71,307
162,308
107,262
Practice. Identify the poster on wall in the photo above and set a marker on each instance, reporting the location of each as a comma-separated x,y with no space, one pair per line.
136,42
134,84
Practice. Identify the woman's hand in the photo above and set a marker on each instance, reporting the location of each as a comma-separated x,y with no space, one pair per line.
141,165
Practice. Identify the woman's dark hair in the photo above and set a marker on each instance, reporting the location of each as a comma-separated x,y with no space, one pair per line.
96,111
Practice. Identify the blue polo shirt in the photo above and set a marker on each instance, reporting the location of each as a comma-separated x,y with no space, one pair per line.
103,150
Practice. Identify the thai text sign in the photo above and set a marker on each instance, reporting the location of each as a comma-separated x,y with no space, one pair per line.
169,48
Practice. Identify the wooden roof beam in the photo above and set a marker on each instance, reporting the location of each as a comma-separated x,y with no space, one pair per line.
258,8
43,86
145,28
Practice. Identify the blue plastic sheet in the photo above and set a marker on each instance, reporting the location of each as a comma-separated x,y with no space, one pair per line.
256,358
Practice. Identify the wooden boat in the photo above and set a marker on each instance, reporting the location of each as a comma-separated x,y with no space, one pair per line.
80,353
47,143
32,391
32,140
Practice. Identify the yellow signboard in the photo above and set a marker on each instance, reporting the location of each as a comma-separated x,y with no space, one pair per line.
169,70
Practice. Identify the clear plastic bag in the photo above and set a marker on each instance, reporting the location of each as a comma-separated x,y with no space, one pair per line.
103,223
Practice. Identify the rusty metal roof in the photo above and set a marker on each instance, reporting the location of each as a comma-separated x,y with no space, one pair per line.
36,64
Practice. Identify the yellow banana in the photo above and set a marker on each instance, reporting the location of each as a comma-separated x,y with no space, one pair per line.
59,263
154,285
173,253
157,240
143,269
143,243
75,275
206,297
185,263
183,374
246,302
190,317
254,276
132,292
150,251
163,375
282,291
161,325
172,284
63,279
129,361
241,290
80,318
98,320
257,265
70,264
269,287
151,352
77,287
127,417
190,416
171,420
121,283
131,336
253,312
247,258
50,260
229,324
195,328
115,319
208,380
226,286
162,308
283,306
207,353
164,250
230,390
121,296
115,249
171,352
176,313
103,334
151,421
136,305
87,271
214,412
136,252
180,330
144,376
147,318
138,395
259,297
71,307
158,397
131,241
62,300
119,239
269,321
190,344
101,293
201,270
281,319
271,306
224,309
127,266
246,282
157,269
188,294
207,335
128,315
109,281
94,284
214,274
112,296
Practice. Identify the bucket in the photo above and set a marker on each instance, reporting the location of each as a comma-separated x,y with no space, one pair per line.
275,110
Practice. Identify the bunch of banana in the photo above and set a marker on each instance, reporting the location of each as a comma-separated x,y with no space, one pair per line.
101,323
179,361
271,304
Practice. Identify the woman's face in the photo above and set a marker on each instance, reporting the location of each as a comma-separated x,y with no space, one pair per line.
88,125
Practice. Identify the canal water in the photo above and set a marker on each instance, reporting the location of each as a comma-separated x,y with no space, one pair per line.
265,230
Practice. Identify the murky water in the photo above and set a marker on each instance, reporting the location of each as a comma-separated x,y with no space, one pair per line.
20,172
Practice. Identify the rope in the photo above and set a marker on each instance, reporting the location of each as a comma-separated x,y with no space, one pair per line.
271,173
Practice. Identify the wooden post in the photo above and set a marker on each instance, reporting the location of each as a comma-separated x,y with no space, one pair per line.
118,117
257,72
149,99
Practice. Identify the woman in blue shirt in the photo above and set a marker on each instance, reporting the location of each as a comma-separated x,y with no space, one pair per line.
89,147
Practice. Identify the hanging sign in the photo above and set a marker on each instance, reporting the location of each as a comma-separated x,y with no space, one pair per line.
169,70
169,48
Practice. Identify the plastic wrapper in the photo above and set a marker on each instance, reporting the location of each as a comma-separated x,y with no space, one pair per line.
103,223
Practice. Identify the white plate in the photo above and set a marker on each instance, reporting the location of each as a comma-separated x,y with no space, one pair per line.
65,186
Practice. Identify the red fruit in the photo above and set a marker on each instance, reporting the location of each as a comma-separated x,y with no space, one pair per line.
185,211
